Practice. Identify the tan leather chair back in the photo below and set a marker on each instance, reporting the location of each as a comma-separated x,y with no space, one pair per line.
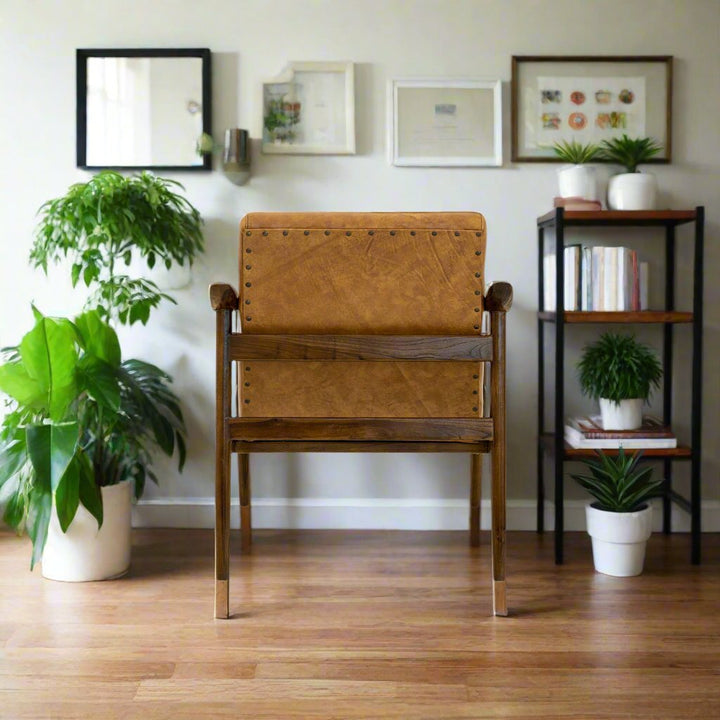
365,274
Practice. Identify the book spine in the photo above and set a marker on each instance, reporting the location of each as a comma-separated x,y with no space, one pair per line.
635,278
644,285
621,279
610,278
597,277
639,444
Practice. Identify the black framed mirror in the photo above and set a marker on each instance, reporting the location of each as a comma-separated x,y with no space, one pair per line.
143,108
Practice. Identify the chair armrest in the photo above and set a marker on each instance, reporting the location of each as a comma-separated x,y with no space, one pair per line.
499,297
223,297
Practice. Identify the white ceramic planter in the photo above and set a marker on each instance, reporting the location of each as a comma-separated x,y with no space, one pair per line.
625,415
577,181
632,191
619,540
85,553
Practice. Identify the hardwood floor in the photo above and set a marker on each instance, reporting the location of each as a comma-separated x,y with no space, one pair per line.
333,624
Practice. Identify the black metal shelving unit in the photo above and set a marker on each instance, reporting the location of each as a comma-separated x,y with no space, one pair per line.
551,441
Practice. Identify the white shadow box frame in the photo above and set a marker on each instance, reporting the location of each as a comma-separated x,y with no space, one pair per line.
445,122
309,109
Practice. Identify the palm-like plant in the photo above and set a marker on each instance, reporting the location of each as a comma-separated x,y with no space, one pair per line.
630,152
576,152
618,367
617,484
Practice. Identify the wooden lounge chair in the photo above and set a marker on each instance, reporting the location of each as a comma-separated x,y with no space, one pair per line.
360,332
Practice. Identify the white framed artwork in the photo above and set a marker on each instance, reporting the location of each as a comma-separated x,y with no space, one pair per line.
445,122
309,109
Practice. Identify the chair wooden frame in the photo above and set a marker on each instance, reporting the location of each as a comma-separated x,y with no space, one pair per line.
244,435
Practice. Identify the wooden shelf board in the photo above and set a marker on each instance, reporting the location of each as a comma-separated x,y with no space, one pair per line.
600,316
621,217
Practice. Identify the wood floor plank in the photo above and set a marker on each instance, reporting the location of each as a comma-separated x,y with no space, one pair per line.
363,625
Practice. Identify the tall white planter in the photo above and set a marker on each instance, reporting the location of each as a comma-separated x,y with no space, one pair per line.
85,553
625,415
632,191
619,540
577,181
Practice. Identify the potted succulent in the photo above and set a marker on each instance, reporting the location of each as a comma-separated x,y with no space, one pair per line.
619,522
631,190
620,372
81,423
578,178
76,441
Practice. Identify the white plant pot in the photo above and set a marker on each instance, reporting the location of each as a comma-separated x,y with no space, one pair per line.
85,553
625,415
619,540
577,181
632,191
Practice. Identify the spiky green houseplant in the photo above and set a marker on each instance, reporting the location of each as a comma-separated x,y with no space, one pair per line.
103,224
630,152
618,367
617,483
78,418
577,153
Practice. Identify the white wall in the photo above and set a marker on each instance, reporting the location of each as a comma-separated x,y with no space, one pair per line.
252,40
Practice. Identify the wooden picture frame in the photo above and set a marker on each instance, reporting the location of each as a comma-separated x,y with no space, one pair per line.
309,109
589,98
444,122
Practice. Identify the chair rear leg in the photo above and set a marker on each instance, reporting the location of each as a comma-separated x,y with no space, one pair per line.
475,488
498,529
222,531
245,501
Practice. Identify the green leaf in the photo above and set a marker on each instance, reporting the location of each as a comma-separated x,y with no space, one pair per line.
13,456
89,492
15,505
75,273
67,496
98,338
15,382
49,355
100,381
41,501
51,449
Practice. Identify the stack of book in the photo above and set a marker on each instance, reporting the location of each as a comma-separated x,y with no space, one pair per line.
598,278
577,203
588,432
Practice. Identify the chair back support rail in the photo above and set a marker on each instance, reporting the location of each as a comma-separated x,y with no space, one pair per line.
360,332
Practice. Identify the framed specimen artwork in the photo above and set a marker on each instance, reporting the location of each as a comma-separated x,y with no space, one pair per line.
589,99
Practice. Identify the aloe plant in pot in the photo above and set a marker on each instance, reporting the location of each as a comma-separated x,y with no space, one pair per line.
620,520
620,372
578,178
631,190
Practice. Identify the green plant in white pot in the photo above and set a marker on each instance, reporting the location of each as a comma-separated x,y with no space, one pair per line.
620,372
578,178
620,520
631,190
76,441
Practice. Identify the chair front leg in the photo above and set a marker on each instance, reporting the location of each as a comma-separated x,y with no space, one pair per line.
245,501
475,491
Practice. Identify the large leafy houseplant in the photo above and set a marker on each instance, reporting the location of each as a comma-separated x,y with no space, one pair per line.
617,483
79,417
105,223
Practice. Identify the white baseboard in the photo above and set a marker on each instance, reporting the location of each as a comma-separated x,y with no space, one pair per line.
379,514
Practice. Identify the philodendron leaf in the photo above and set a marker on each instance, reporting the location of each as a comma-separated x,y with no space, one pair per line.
89,492
15,382
15,503
49,355
67,495
12,457
98,338
101,382
51,449
41,502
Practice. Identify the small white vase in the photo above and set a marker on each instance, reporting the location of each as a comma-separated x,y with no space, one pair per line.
619,540
85,553
632,191
577,181
624,415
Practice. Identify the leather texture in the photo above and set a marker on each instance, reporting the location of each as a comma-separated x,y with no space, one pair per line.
362,273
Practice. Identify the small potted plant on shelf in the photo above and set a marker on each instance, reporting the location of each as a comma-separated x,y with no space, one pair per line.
76,441
620,372
577,180
631,190
619,522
